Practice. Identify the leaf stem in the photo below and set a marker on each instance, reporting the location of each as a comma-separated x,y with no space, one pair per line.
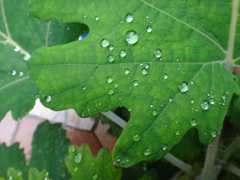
231,149
178,163
210,159
233,169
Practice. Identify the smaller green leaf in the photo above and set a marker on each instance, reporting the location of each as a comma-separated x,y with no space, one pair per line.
34,174
1,178
146,177
82,165
14,174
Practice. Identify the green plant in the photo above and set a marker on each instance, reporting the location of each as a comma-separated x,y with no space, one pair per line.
169,62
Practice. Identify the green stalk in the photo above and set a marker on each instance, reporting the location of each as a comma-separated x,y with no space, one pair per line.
231,149
209,160
233,169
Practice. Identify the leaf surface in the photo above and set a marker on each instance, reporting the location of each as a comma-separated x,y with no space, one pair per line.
171,78
20,35
82,165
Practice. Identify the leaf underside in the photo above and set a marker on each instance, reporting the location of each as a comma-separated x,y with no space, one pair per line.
20,35
194,39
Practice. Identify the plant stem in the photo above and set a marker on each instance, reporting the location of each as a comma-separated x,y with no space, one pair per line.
233,169
178,163
231,149
112,116
210,159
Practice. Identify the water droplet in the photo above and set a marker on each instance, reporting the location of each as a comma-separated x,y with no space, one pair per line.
20,74
26,57
120,99
147,66
135,83
129,17
19,173
158,53
84,15
17,48
144,71
212,101
154,113
123,53
110,92
170,99
94,177
149,29
177,59
77,158
151,106
193,122
136,137
192,101
48,98
164,147
110,58
115,86
84,87
205,105
14,72
183,87
126,71
177,132
75,169
105,43
147,152
97,18
109,79
165,76
71,149
191,82
111,47
131,37
224,96
214,133
129,109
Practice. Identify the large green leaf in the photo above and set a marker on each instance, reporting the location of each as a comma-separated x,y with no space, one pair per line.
20,35
172,76
82,165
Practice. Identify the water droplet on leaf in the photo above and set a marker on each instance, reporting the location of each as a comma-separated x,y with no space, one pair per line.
147,152
48,98
105,43
158,53
131,37
77,158
193,122
97,18
75,169
164,147
212,101
115,86
94,177
110,92
123,53
109,79
165,76
71,149
170,99
136,137
110,58
135,83
84,87
149,29
154,113
129,17
214,133
183,87
177,132
144,71
111,47
205,105
126,71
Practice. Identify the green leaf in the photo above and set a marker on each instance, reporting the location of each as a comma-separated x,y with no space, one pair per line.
34,174
189,148
167,78
146,177
49,148
82,165
14,174
11,157
20,35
